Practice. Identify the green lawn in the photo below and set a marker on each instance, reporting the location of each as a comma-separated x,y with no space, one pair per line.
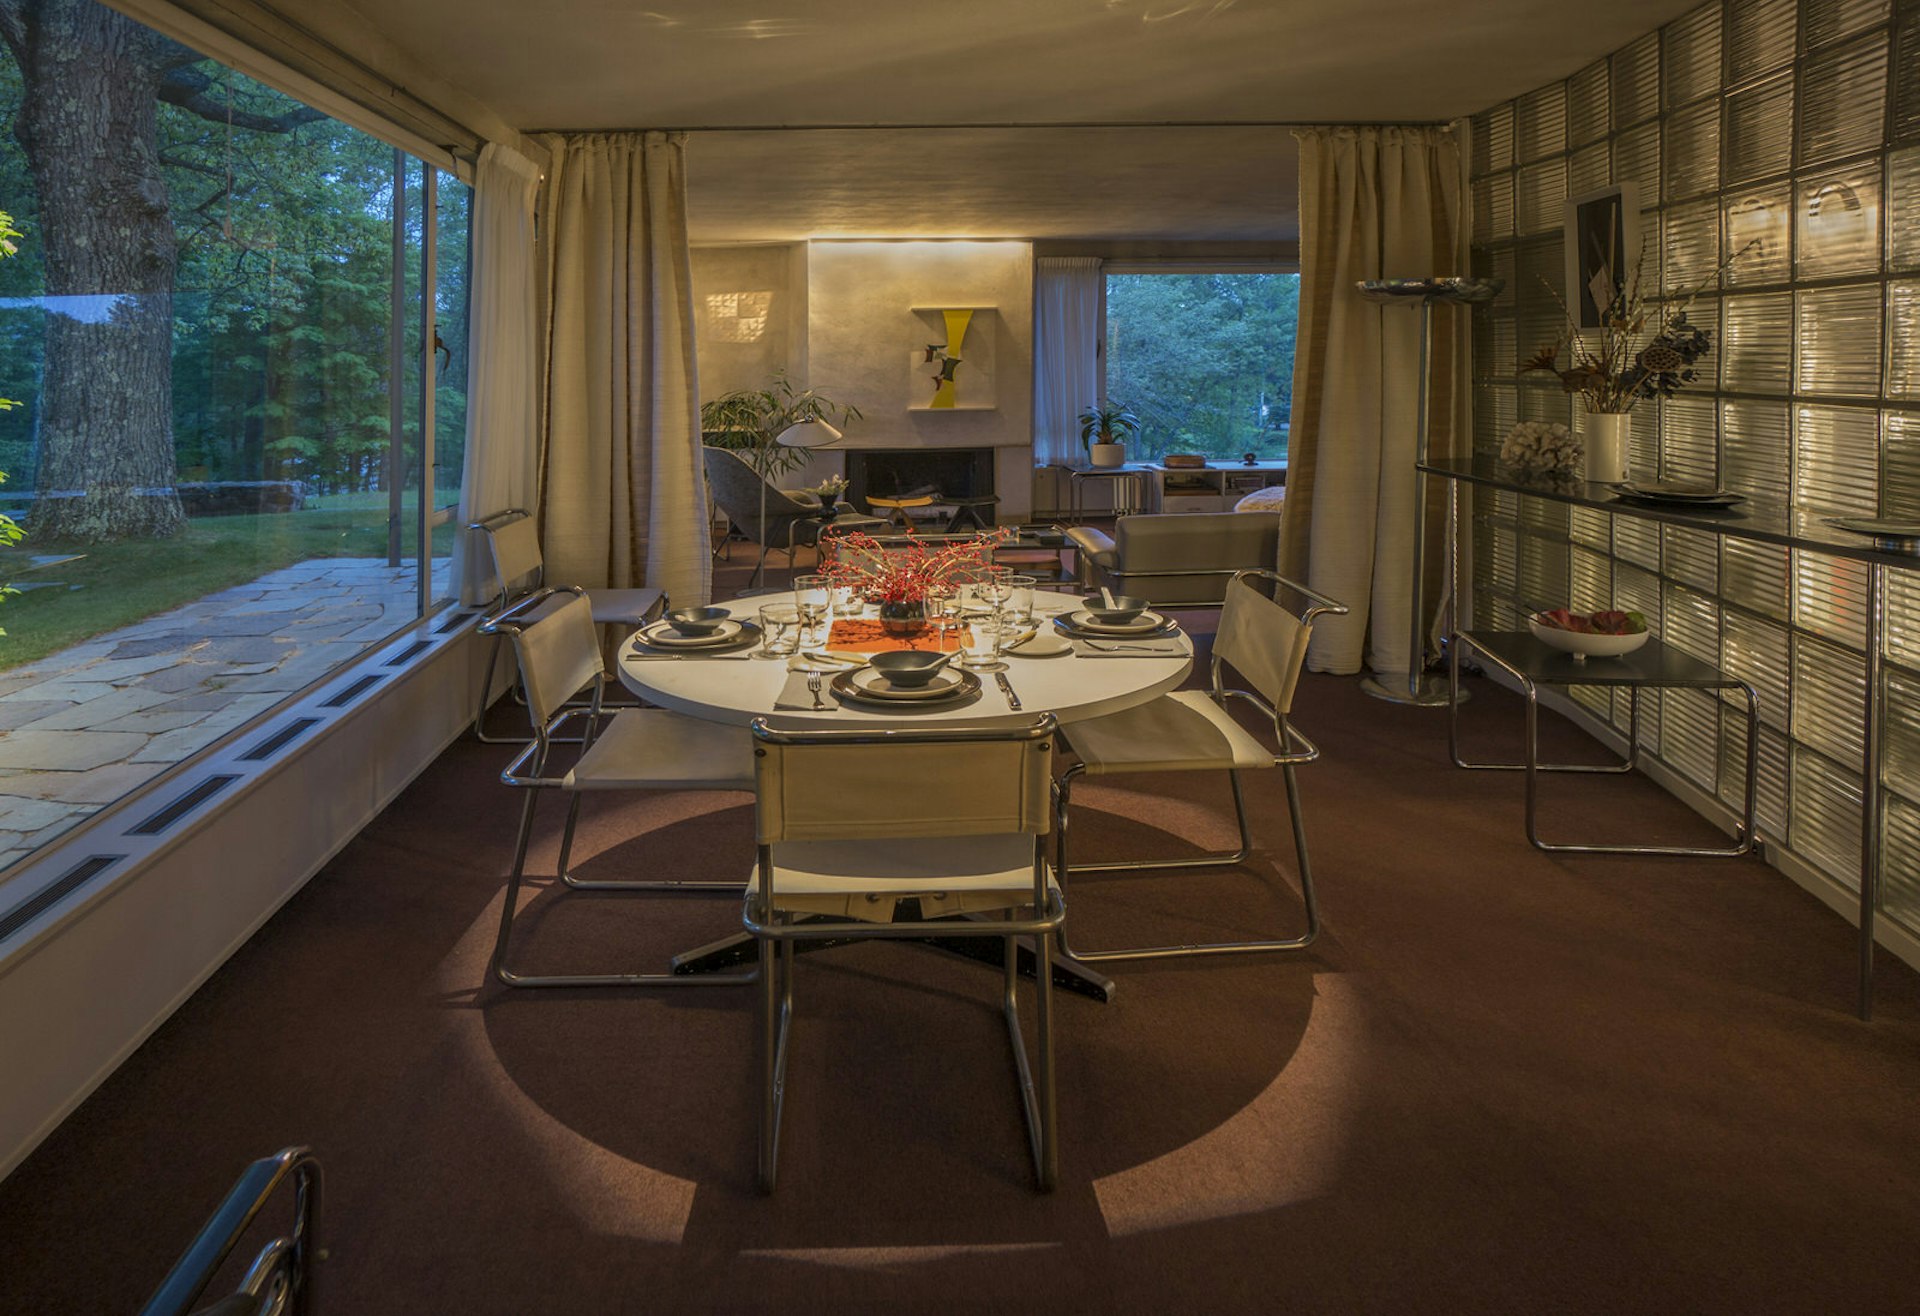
114,585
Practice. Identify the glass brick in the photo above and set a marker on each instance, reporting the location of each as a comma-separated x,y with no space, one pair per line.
1836,460
1542,190
1900,865
1590,169
1760,37
1756,445
1839,340
1758,222
1839,228
1636,159
1760,129
1900,470
1756,345
1830,598
1903,209
1689,439
1690,56
1903,339
1690,735
1636,82
1540,123
1690,244
1690,621
1843,95
1589,105
1755,650
1638,542
1493,140
1755,576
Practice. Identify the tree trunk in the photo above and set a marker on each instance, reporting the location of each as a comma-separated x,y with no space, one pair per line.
88,121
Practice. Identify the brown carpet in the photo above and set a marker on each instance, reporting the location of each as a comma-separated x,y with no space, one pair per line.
1500,1082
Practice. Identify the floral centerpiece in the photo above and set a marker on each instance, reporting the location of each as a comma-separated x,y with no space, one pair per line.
1639,351
829,489
899,576
1541,447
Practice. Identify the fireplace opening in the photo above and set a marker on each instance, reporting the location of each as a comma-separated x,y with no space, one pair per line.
945,474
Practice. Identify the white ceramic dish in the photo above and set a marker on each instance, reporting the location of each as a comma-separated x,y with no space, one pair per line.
1044,644
1585,645
873,684
1082,620
662,635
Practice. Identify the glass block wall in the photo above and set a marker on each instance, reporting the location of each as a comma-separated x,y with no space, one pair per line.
1793,126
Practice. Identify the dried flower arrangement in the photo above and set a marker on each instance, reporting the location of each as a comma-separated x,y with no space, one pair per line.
1542,447
1608,370
906,573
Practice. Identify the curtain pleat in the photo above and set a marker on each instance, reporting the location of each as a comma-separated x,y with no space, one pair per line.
624,496
1374,203
502,466
1066,339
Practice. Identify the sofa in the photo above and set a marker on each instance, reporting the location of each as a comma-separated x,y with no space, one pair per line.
1176,559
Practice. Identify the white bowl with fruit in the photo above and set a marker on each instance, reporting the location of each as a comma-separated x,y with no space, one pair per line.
1604,634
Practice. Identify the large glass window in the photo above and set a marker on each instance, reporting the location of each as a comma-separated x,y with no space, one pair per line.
220,448
1205,360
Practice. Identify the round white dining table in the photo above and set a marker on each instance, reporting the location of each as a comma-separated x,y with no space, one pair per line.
1071,687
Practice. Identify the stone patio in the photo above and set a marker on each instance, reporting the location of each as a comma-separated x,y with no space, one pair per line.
81,728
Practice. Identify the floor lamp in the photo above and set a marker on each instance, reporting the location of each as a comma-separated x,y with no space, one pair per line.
1417,687
803,434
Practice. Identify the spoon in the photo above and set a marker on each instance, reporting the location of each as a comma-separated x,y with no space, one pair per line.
1106,597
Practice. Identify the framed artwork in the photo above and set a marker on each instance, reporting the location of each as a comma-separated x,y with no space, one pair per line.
951,365
1603,247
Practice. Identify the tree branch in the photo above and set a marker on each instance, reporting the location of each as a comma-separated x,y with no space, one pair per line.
192,166
13,28
191,89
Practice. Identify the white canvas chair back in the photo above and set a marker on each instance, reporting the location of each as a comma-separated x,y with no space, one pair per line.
823,791
1263,642
559,655
516,553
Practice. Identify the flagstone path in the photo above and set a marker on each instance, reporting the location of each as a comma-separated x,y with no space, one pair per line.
81,728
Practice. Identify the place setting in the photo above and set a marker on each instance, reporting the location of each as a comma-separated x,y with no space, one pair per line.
696,633
1678,493
1120,626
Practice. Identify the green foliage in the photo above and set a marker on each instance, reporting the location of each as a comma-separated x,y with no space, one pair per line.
282,302
748,420
10,531
1207,360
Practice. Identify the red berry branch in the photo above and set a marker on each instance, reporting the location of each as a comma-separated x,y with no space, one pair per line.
906,573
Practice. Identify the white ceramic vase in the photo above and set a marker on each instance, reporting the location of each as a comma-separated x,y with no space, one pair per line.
1606,443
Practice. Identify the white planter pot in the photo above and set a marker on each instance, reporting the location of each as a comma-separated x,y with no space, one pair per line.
1109,454
1607,437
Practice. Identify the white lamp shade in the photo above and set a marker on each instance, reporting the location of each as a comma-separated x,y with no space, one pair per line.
808,434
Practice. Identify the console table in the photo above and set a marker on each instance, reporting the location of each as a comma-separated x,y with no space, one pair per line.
1765,522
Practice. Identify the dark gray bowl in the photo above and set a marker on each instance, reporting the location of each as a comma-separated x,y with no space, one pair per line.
909,668
697,621
1125,608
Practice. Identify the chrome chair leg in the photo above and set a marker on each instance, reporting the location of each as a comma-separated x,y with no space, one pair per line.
510,909
627,884
776,1022
1214,860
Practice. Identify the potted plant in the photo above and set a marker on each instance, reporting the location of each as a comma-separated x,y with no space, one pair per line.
1104,431
748,420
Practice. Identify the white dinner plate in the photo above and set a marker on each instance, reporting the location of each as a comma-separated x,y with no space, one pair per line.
1082,620
869,686
662,635
1044,644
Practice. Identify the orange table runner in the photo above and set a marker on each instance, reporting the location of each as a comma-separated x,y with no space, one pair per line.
855,635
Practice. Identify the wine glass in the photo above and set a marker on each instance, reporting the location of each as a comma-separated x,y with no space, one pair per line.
813,596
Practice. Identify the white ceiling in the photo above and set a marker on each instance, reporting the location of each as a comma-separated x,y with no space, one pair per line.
987,65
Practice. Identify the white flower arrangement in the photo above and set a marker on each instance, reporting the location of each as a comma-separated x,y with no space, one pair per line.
1542,448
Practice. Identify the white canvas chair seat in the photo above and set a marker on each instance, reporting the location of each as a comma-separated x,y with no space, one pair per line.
653,749
1185,731
852,823
867,880
1265,642
639,749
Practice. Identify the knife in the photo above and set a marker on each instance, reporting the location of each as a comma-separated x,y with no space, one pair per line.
1013,700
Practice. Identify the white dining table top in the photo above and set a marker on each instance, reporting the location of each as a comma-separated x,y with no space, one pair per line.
1070,686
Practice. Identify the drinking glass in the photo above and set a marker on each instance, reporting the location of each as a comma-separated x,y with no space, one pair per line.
779,623
1020,600
944,611
813,596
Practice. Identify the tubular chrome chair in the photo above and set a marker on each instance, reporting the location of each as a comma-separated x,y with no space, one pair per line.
851,823
1192,731
281,1276
519,570
633,749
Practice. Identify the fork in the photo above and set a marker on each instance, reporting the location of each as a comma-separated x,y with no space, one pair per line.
1130,648
813,688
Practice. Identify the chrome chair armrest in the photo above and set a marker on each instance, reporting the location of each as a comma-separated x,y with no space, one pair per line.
1322,605
288,1259
516,615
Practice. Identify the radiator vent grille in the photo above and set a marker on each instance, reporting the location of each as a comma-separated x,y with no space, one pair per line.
279,740
351,691
56,891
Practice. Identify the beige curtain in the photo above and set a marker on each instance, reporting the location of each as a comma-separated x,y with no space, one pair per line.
502,455
623,501
1374,203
